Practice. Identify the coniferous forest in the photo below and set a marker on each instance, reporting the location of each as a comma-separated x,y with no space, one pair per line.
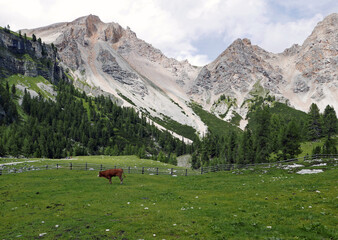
76,124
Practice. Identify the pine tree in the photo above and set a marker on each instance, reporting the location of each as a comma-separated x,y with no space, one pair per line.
195,164
246,152
261,135
290,141
330,122
274,132
329,146
13,89
314,123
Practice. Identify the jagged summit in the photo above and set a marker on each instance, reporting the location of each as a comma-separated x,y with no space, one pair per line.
89,18
107,56
110,57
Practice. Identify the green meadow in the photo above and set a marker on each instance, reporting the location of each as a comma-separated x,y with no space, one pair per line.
253,203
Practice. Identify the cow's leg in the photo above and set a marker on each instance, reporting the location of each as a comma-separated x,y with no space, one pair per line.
121,179
110,180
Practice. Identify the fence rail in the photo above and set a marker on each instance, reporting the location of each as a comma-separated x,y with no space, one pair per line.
8,169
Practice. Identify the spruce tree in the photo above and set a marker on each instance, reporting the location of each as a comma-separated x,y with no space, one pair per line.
261,135
290,141
314,125
330,122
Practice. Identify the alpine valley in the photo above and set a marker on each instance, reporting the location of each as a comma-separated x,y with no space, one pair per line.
89,87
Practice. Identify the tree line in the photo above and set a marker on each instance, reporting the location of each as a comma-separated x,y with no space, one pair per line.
271,135
76,124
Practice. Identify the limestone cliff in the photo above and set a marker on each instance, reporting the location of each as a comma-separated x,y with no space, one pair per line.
30,58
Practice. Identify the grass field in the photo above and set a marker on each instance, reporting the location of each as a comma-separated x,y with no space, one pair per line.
260,203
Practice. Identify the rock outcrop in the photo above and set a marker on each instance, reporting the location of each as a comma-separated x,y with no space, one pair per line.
18,55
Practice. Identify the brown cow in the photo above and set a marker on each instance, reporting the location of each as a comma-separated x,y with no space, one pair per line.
112,173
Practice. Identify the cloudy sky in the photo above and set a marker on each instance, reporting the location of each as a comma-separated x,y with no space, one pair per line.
197,30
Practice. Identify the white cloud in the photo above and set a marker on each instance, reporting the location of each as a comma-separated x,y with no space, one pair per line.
276,37
175,26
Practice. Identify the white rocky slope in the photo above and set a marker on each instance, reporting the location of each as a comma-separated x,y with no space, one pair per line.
106,56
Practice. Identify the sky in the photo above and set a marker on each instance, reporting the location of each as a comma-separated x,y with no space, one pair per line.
197,30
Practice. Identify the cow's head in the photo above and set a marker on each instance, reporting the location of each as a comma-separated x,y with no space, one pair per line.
100,174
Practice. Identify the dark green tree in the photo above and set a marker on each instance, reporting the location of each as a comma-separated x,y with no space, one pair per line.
34,38
13,89
329,146
314,125
261,135
290,141
274,132
330,122
195,164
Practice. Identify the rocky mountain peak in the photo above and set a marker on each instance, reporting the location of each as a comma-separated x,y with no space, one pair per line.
318,56
113,58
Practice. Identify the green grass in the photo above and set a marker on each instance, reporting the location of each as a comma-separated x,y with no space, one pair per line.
126,99
258,90
236,118
172,125
251,204
29,82
307,147
214,124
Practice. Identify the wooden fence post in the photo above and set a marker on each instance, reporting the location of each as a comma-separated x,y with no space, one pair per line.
0,171
186,172
71,166
156,171
86,166
114,167
129,169
142,170
171,172
101,167
47,167
201,170
57,166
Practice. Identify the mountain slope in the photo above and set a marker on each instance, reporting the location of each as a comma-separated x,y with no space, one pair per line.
111,58
299,76
106,56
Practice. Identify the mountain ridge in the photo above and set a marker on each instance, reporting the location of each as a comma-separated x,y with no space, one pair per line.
109,57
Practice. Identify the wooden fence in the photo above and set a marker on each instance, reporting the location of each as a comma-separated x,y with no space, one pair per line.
5,169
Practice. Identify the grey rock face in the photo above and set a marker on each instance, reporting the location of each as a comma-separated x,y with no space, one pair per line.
300,85
238,67
21,56
111,67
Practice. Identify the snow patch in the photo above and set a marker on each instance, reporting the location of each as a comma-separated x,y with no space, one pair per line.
309,171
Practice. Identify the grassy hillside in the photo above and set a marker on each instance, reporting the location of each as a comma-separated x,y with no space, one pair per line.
247,204
172,125
32,83
215,125
307,147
